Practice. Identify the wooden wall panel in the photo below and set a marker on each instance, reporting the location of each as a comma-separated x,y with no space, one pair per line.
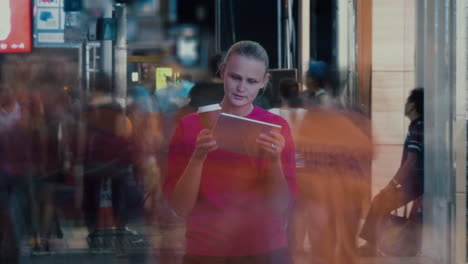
364,55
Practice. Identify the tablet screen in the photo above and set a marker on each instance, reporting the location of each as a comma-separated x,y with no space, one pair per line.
239,134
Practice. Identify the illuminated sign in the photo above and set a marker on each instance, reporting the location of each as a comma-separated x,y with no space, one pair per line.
161,76
15,26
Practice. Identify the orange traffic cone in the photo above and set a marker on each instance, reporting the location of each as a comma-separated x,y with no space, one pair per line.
106,219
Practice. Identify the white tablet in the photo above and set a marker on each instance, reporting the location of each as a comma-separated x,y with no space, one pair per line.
239,134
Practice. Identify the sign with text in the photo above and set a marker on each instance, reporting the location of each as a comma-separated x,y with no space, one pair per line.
49,23
48,3
15,26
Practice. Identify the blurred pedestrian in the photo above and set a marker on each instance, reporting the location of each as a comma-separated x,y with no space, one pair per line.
49,127
14,175
319,86
208,91
146,140
292,107
328,208
107,157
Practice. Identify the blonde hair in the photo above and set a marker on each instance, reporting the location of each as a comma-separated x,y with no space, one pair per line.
249,49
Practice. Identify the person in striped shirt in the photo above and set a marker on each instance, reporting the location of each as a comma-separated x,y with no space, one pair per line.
408,183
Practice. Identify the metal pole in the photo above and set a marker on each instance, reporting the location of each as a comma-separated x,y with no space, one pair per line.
304,38
280,33
106,45
218,27
287,34
86,68
120,55
461,77
343,38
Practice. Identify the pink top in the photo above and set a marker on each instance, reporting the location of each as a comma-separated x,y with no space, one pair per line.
230,218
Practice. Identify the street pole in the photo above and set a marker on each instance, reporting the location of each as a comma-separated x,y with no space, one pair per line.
106,45
218,28
280,32
304,40
120,55
287,19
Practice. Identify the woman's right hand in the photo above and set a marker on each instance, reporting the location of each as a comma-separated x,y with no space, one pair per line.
205,144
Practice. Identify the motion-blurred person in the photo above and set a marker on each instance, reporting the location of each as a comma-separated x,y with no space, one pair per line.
176,95
148,76
356,115
206,92
209,91
15,172
153,121
146,140
107,158
36,83
292,108
51,142
234,204
330,190
172,102
319,87
408,183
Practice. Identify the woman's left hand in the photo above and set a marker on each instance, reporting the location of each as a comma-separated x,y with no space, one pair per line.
272,144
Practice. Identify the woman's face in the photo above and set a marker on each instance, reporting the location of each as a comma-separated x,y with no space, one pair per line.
243,78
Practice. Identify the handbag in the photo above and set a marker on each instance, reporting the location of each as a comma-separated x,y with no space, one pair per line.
400,236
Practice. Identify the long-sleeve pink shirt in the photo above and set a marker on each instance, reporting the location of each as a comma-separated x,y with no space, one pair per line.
230,217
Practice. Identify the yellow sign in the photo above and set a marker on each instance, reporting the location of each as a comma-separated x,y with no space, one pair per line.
147,59
161,75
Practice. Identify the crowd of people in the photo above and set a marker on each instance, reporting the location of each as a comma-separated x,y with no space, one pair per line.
300,201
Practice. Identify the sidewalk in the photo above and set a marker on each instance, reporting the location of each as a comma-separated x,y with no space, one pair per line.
393,260
154,245
165,245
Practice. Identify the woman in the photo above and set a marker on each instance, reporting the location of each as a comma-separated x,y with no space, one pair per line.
234,204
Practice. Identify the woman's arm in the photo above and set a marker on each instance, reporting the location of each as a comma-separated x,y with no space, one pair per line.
185,193
276,186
